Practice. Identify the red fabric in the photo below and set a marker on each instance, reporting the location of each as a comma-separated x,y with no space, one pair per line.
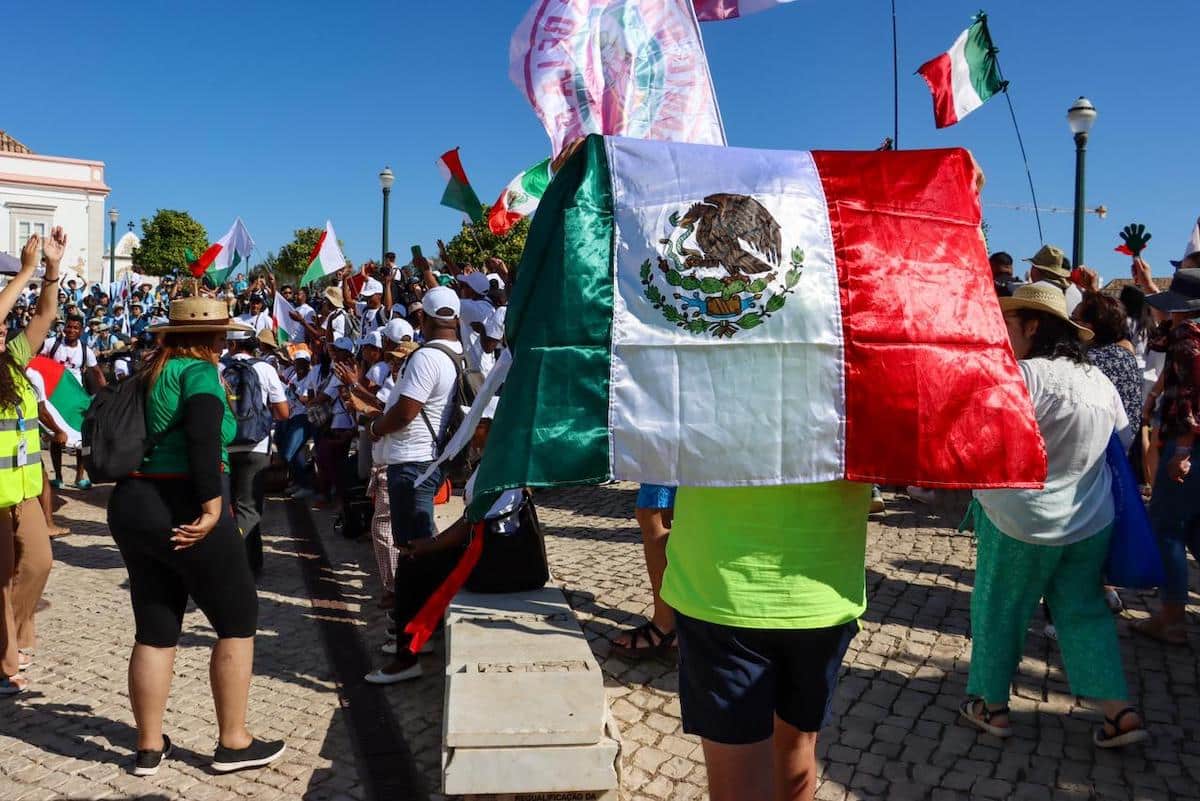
454,166
50,370
424,623
316,251
200,266
443,494
500,220
936,73
1124,249
933,393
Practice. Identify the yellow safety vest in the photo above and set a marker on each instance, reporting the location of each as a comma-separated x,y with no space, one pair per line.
20,465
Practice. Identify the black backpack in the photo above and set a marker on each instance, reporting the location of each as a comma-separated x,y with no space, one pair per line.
115,438
458,469
253,418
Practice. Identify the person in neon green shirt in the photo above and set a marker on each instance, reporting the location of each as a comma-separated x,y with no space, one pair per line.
767,584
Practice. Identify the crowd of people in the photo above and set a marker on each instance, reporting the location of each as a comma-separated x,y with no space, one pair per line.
357,408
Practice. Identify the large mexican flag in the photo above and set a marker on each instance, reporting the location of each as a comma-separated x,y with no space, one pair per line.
693,315
66,399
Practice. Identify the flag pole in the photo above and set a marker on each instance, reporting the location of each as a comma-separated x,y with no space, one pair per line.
895,83
1020,143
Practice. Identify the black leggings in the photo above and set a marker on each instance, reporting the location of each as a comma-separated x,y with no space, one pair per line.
214,572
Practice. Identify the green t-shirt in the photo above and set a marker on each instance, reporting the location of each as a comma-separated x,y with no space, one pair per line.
179,380
785,557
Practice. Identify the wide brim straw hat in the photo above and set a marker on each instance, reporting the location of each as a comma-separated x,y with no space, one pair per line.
334,295
199,315
1044,297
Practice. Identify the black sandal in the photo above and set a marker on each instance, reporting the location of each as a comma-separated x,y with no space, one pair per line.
1120,739
657,643
966,710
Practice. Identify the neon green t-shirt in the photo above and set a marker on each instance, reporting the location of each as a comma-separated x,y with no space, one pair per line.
785,557
179,380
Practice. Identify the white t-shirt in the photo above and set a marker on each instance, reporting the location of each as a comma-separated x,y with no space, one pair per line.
472,311
298,388
257,321
1077,409
335,324
342,419
307,314
380,371
429,378
272,392
71,356
372,319
1074,297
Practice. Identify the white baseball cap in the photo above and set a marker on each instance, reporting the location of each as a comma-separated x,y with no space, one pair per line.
373,338
301,354
441,297
371,287
495,278
397,329
477,281
344,343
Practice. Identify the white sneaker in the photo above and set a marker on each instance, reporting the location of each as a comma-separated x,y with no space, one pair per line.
390,648
1050,633
921,495
380,677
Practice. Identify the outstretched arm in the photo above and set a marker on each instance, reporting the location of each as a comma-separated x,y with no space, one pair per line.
29,255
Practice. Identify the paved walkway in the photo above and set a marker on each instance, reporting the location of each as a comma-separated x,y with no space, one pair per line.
895,735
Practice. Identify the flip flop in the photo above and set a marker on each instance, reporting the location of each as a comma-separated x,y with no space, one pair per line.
1120,739
966,711
657,643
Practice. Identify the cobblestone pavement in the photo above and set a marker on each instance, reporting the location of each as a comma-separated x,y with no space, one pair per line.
71,735
894,734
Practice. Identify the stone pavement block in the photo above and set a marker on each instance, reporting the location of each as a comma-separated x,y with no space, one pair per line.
503,709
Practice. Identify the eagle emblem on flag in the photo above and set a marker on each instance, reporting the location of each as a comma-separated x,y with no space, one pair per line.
721,269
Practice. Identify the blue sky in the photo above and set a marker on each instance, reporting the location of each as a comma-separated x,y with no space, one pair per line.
284,114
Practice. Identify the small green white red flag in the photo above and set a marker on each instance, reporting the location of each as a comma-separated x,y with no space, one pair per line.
459,194
66,399
234,251
286,329
326,257
520,198
965,76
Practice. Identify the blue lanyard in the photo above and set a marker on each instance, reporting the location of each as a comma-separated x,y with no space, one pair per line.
20,421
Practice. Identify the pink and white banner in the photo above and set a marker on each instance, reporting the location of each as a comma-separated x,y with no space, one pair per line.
713,10
630,67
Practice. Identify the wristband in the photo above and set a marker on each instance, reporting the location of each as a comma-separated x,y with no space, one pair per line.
53,280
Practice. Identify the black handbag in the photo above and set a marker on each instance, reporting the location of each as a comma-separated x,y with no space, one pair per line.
514,553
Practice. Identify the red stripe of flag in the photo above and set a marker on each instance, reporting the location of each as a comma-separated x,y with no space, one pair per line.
936,73
50,370
910,261
317,247
450,159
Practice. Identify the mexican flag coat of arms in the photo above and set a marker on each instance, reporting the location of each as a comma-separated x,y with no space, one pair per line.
693,315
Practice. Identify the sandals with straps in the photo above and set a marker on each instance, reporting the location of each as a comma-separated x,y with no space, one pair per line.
1120,739
983,721
657,643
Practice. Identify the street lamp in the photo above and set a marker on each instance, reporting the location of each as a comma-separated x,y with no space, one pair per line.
1080,117
386,179
113,214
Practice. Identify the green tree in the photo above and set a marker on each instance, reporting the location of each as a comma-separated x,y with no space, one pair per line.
293,258
165,237
464,248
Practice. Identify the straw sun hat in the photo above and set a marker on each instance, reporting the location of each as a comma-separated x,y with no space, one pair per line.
1043,297
199,315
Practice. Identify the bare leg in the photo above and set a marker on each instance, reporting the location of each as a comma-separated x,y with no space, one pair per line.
229,671
47,501
150,672
656,526
740,772
795,763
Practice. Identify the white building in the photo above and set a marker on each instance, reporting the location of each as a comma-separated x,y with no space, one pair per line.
124,258
38,192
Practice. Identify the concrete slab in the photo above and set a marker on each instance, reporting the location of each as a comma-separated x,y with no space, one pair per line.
556,644
531,769
505,709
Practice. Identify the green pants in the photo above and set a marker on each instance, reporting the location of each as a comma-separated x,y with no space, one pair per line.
1010,578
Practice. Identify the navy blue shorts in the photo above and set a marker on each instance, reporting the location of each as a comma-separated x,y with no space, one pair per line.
733,681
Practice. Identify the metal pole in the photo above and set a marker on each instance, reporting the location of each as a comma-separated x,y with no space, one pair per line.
112,251
1080,152
387,191
895,83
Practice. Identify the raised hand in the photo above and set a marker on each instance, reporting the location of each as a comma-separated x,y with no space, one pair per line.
55,246
29,253
1142,277
1135,236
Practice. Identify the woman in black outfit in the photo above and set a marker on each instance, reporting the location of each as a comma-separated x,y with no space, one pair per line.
173,525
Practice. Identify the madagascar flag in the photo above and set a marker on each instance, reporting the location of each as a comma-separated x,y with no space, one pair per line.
66,400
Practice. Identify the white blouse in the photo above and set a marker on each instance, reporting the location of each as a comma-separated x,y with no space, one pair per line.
1077,409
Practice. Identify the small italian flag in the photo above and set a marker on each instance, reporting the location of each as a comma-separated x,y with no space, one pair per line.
963,77
459,194
520,198
66,399
702,316
326,258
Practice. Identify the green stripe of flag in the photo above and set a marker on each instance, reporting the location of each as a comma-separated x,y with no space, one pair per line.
980,55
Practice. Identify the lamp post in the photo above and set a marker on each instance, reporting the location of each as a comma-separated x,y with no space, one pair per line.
1080,117
386,179
113,214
